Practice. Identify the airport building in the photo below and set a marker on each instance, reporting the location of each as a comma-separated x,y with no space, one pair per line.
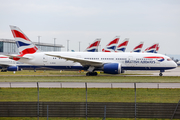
8,46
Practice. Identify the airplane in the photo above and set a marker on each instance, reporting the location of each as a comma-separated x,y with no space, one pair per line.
178,63
152,49
108,62
122,46
111,47
138,48
7,64
94,46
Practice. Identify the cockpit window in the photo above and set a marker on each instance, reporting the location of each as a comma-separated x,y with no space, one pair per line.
169,59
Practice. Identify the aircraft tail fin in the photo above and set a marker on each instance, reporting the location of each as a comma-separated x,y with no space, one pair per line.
24,44
152,49
111,47
94,46
122,46
138,47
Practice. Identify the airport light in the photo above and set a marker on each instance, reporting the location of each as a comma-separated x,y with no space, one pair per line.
54,43
67,45
39,41
79,45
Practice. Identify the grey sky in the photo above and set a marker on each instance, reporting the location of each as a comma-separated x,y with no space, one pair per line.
151,21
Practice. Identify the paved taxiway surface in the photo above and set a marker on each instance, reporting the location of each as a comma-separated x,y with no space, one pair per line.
173,72
89,85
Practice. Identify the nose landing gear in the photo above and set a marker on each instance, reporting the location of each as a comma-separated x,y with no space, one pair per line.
160,74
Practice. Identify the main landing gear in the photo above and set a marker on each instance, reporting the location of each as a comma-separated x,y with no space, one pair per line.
91,74
160,74
3,70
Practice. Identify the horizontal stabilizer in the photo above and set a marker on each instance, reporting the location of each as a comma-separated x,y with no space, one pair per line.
15,56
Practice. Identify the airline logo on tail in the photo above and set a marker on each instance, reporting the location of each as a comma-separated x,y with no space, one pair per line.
122,47
152,49
111,47
157,49
160,59
138,48
94,46
25,46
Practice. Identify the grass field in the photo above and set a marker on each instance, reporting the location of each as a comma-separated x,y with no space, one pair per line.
94,95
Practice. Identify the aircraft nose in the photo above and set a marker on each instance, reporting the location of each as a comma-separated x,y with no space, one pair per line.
174,64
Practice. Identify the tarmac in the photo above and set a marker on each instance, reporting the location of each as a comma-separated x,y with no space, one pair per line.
173,72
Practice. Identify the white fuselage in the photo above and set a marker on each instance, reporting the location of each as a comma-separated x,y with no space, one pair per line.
128,61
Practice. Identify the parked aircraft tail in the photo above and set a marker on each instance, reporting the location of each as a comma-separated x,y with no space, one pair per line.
122,47
138,48
94,46
111,47
24,44
152,49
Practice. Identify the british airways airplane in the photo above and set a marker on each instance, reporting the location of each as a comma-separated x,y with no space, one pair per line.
94,46
110,63
111,47
122,46
138,48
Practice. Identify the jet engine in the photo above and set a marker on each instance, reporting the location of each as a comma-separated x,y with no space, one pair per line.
112,68
13,68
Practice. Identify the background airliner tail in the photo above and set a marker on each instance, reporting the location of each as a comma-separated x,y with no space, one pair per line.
138,48
94,46
24,44
152,49
111,47
122,46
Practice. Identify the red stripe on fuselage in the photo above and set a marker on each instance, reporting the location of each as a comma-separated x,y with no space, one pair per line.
3,57
155,57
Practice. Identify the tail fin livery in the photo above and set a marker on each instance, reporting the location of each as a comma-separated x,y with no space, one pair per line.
111,47
157,49
138,48
94,46
122,47
24,44
152,49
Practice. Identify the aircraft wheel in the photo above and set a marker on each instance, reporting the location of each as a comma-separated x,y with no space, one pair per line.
160,74
87,74
91,74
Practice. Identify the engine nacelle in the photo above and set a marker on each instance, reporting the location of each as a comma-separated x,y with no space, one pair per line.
13,68
112,68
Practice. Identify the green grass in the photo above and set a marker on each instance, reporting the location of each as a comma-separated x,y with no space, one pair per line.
94,95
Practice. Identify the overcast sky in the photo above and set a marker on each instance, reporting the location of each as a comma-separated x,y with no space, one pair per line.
151,21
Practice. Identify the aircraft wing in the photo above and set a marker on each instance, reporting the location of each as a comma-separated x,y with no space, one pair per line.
83,62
